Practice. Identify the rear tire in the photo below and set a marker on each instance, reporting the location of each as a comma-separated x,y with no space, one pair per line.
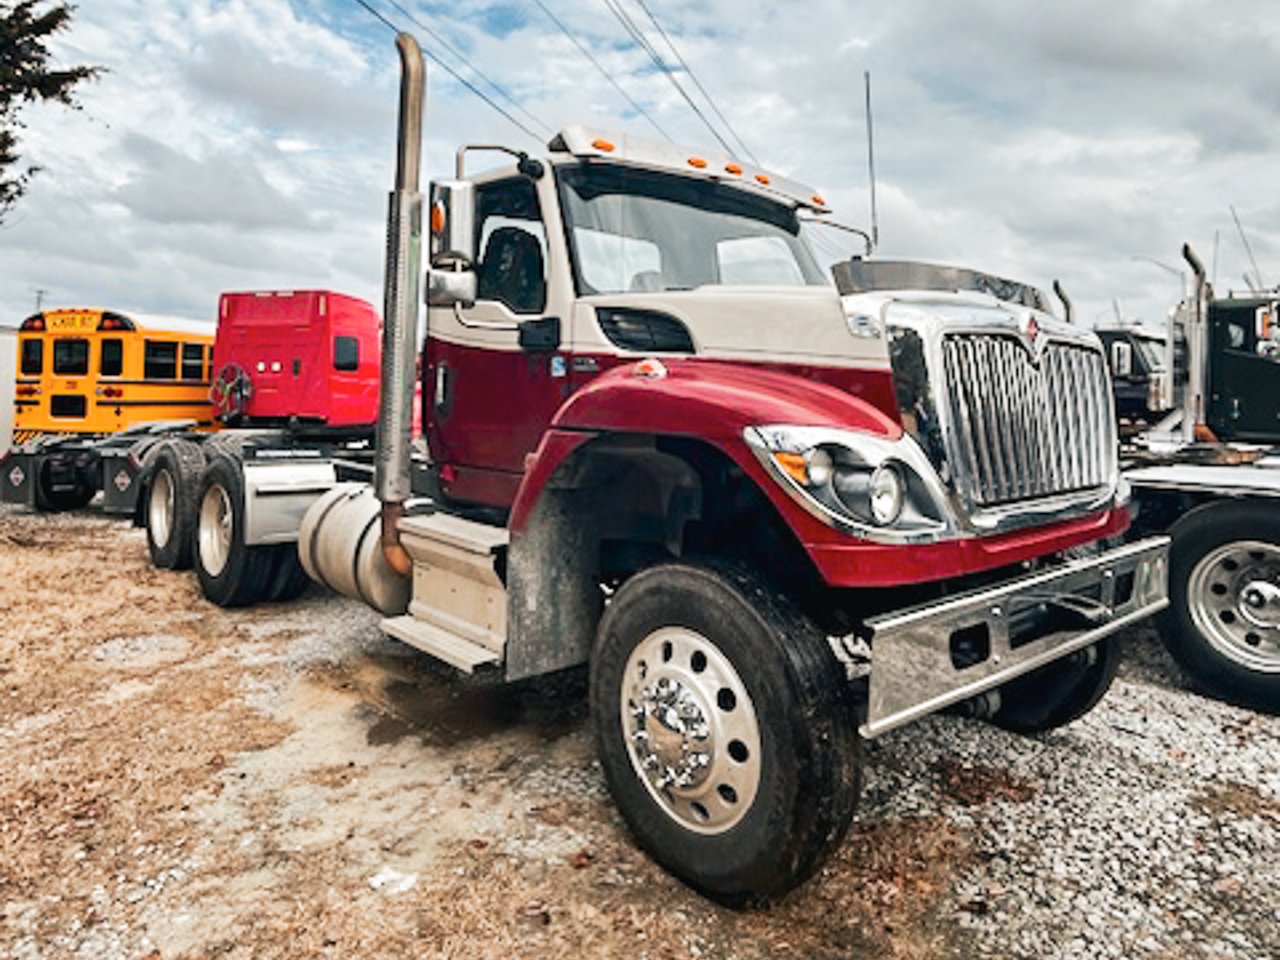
231,573
51,500
725,728
288,578
170,509
1060,692
1223,621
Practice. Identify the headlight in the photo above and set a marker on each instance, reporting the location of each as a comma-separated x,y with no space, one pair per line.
886,494
882,489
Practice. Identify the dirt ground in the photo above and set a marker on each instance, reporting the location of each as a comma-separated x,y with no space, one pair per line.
182,781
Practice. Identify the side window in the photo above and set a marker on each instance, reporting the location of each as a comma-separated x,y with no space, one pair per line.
346,354
33,356
71,357
160,360
208,363
513,246
111,357
192,361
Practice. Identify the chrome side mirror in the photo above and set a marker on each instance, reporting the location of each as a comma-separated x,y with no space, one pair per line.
453,223
448,288
1121,359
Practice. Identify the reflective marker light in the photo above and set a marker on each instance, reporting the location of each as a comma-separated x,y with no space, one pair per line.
697,162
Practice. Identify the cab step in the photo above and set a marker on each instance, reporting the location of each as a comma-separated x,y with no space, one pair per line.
441,644
458,609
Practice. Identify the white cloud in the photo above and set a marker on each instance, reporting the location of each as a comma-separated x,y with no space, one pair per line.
238,144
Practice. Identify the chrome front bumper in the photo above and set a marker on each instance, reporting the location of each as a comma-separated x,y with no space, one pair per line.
929,657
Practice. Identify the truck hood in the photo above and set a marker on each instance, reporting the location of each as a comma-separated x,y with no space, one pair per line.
757,325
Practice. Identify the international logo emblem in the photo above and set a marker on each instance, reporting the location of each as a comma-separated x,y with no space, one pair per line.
122,481
1033,338
16,476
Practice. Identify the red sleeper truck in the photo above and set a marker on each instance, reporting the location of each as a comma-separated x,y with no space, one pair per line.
773,515
303,356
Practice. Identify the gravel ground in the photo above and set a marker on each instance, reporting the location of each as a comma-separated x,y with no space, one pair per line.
1149,828
181,781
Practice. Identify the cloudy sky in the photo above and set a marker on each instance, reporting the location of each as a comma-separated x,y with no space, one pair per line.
248,144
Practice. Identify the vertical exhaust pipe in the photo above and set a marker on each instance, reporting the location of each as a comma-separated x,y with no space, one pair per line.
1068,309
400,309
1193,426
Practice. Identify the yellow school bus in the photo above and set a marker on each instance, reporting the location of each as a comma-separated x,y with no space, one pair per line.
99,372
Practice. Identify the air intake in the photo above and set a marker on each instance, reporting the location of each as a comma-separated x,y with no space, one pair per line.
644,331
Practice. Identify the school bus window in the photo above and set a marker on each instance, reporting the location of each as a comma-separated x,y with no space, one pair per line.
70,357
111,358
160,360
346,353
33,356
192,361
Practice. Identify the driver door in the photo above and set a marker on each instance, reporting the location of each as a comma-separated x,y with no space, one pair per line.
488,399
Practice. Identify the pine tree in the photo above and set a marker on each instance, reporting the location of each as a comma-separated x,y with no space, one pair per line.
25,77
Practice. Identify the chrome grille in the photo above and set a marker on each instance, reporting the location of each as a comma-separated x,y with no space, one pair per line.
1023,430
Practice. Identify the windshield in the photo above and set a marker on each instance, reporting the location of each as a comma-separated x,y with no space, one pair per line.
1152,352
636,230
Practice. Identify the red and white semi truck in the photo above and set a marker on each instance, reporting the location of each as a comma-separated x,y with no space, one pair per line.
773,515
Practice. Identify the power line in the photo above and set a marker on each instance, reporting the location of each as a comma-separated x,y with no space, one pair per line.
615,7
696,82
454,73
435,35
603,72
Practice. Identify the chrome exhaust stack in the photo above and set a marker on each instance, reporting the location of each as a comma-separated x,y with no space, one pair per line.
400,310
1197,345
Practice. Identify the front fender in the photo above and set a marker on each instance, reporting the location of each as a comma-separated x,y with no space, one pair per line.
708,401
714,401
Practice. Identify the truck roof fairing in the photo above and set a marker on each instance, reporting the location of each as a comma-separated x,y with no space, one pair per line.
588,143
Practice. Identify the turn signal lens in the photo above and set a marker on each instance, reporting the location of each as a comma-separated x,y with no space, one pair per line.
437,218
793,465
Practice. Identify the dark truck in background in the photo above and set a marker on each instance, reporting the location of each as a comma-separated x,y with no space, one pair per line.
1209,476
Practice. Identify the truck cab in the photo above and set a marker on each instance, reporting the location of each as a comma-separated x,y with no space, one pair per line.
772,514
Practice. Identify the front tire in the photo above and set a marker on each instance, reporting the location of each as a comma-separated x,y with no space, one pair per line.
1223,621
725,728
231,573
1059,692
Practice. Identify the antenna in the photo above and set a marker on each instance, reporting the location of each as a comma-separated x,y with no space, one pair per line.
1257,274
39,292
871,163
1115,306
1214,276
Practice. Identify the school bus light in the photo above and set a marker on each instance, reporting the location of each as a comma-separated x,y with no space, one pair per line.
33,324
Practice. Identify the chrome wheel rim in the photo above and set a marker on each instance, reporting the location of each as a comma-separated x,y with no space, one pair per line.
160,509
215,529
1234,598
691,730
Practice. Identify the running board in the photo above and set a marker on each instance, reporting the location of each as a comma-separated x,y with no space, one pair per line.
441,644
458,610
